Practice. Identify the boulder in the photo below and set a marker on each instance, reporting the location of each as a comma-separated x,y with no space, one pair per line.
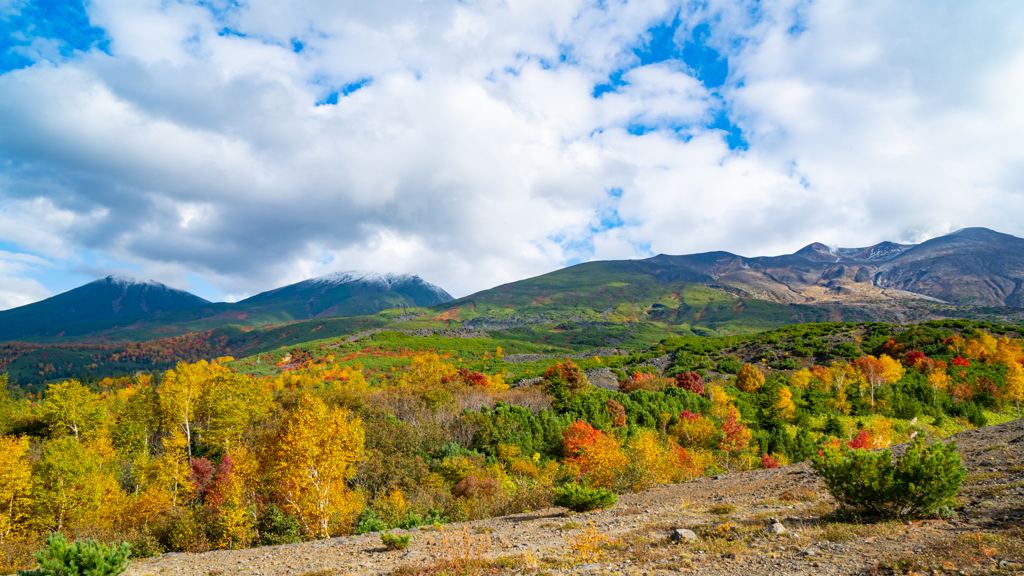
683,535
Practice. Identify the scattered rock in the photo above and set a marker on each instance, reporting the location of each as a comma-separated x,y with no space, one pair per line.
776,528
683,535
603,378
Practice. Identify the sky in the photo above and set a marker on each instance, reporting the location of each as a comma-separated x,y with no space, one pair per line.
231,147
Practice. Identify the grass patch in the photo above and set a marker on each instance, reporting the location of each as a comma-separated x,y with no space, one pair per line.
844,532
976,478
723,509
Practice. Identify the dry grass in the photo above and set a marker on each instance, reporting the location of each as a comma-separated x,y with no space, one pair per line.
455,554
966,550
981,477
799,495
844,532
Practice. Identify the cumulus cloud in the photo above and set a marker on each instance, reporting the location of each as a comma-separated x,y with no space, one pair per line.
474,144
15,288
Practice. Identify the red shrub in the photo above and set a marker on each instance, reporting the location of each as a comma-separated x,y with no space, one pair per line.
690,381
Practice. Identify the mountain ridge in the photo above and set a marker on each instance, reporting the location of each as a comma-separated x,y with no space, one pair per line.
112,314
972,273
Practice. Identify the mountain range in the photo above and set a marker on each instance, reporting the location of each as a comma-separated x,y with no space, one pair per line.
974,272
113,306
970,273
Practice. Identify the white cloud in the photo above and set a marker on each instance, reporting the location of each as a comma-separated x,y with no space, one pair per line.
475,153
15,288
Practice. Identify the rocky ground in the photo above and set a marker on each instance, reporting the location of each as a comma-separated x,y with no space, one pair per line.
733,519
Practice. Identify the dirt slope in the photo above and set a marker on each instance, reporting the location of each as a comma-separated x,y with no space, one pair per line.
986,538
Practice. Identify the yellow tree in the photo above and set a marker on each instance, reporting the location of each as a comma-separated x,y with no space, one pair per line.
837,377
230,405
980,345
182,393
801,379
314,453
71,408
1007,351
784,403
428,370
749,378
602,461
15,485
1014,387
938,379
75,485
956,344
721,404
878,371
171,472
694,431
650,463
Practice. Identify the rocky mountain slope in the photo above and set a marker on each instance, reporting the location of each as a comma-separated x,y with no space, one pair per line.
974,273
728,515
973,266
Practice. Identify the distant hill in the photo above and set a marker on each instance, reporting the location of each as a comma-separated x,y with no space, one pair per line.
110,298
119,309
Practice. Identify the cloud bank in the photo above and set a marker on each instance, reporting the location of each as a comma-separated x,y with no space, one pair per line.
233,148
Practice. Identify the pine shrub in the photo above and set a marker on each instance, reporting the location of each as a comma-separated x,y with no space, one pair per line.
85,558
395,541
923,482
580,498
369,522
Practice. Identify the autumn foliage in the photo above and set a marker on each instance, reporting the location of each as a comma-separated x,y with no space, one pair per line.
205,456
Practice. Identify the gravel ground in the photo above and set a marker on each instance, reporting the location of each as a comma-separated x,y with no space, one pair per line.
642,523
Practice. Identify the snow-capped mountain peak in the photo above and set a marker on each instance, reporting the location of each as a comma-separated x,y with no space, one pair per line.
370,277
125,281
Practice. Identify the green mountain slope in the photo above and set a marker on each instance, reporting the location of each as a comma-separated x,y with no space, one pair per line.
624,292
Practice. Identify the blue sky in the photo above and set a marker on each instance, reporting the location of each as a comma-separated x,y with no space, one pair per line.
229,148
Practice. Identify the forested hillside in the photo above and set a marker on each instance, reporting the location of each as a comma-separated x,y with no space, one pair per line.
344,435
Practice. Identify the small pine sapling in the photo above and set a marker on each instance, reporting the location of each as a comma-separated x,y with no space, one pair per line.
86,558
395,541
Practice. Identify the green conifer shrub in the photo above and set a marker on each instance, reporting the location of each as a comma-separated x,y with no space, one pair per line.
395,541
923,482
580,498
85,558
